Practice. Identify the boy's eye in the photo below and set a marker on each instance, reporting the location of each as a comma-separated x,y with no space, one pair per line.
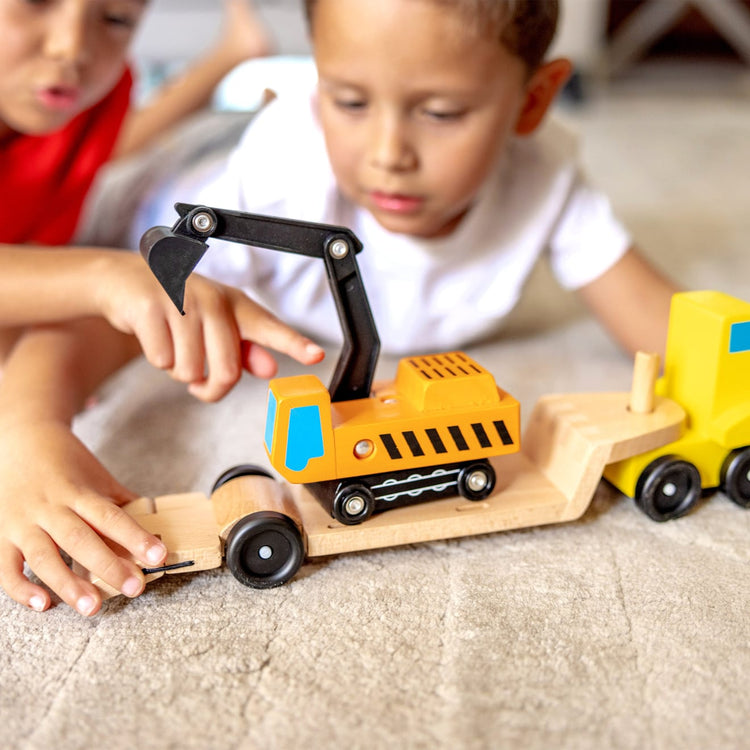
352,105
122,21
123,15
443,115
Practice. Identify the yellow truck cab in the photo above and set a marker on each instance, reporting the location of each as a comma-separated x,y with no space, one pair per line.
707,371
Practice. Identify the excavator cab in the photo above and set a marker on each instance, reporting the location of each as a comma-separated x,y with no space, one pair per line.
298,433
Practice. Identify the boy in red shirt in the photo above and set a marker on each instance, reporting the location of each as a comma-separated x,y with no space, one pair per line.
64,111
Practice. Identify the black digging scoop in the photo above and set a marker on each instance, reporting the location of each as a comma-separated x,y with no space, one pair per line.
172,258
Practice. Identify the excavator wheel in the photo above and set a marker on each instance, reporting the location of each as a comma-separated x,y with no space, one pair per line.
476,480
735,477
668,488
264,549
353,504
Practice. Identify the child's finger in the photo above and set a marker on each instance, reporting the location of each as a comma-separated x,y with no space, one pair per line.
44,559
116,524
17,585
156,342
85,546
257,360
223,358
257,324
189,354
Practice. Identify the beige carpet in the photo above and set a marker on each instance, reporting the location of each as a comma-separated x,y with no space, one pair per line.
612,631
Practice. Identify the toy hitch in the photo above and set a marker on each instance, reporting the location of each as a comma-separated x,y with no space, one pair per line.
172,254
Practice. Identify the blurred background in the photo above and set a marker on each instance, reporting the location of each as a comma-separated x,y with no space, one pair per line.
611,42
660,100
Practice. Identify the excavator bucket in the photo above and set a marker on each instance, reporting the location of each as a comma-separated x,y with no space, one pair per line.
172,258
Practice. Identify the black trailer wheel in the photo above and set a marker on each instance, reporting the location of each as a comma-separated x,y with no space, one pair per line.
735,476
264,549
243,470
668,488
476,480
353,503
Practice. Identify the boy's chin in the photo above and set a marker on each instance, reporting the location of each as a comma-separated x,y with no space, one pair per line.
37,124
419,227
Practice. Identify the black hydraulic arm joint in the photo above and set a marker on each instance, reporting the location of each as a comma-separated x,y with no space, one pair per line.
172,255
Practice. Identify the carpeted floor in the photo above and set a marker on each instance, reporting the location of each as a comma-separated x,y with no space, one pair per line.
611,631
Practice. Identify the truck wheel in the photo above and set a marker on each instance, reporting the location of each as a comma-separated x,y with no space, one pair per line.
668,488
735,476
476,480
264,549
243,470
353,504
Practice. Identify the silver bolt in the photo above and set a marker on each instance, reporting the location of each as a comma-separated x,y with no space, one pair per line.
363,448
265,552
669,489
354,505
203,222
477,481
338,249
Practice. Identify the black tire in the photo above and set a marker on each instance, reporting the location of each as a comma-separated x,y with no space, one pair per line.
476,480
243,470
668,487
735,477
353,504
264,549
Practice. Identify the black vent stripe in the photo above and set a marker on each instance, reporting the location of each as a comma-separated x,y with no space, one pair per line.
458,437
479,431
502,431
413,443
437,443
390,446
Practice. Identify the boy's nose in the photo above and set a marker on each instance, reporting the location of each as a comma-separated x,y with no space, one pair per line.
389,145
65,38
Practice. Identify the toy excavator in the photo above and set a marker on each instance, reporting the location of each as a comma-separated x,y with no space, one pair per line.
343,449
425,436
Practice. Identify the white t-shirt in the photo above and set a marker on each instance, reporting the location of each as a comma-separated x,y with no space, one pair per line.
426,295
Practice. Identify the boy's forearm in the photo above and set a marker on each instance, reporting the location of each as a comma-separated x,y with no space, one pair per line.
189,93
49,285
243,37
53,369
632,301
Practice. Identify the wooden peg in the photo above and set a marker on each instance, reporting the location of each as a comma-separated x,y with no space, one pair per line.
645,372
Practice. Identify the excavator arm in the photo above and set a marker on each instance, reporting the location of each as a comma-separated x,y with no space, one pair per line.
172,254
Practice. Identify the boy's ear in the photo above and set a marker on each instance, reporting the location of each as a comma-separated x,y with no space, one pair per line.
541,90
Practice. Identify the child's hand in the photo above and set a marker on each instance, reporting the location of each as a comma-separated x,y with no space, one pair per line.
222,332
55,495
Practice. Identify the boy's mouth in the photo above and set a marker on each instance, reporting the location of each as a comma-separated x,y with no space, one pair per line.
395,202
59,98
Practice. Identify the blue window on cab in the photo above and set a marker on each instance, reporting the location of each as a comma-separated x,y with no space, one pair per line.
305,438
270,420
739,337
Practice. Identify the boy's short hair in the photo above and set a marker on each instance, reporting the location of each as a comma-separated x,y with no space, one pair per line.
524,27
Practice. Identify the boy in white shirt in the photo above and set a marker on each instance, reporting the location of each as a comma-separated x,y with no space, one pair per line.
416,138
419,104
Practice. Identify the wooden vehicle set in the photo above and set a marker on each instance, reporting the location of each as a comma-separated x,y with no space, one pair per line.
439,449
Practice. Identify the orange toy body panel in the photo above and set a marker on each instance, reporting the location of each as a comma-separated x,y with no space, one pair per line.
440,409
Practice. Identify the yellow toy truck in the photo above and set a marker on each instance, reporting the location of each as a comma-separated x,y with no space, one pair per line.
706,371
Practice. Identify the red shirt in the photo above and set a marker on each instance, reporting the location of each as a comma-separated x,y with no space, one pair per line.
44,179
